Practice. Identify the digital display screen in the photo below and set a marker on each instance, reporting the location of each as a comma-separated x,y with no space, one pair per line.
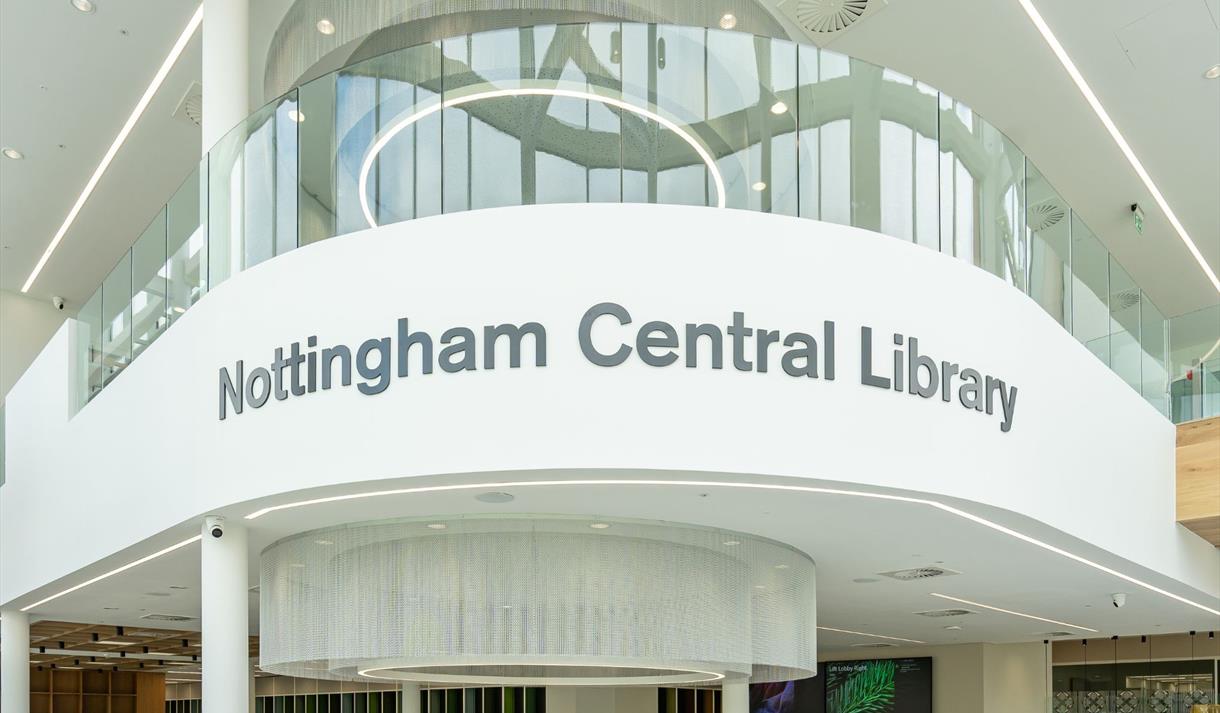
879,686
872,686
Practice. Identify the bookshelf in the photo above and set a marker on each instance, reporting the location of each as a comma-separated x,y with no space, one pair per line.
93,690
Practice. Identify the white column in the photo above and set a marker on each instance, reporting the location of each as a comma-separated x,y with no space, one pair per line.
224,595
226,67
410,698
735,697
253,665
14,661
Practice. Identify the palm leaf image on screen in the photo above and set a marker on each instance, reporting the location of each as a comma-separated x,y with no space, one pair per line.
867,690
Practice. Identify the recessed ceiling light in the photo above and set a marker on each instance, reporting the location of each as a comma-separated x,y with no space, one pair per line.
953,627
779,108
1213,72
865,580
781,566
324,543
731,543
437,526
728,21
84,5
599,525
10,152
326,27
495,497
760,586
296,116
759,186
297,565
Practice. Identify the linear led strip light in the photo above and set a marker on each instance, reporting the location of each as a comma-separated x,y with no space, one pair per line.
412,119
967,602
141,105
1115,134
118,570
756,486
874,636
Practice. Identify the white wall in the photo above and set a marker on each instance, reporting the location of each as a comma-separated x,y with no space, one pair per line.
600,699
26,324
152,446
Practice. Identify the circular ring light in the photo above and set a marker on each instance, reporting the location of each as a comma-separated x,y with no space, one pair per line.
546,674
411,119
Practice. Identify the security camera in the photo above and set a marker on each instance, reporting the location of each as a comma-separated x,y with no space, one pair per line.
215,526
1119,599
58,302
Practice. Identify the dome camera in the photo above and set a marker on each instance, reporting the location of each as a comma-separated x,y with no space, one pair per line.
1118,599
215,526
58,302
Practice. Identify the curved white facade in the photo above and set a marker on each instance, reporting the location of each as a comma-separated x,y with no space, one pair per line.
1086,465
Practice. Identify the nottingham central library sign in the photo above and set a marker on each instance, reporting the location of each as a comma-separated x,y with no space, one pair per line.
300,369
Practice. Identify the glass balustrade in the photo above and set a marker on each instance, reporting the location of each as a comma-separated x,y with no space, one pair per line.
621,112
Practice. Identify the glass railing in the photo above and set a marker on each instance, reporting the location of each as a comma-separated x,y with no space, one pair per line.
610,112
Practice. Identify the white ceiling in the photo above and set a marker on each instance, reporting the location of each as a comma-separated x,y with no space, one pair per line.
1144,60
94,68
849,538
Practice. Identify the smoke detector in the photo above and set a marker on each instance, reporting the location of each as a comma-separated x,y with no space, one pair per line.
190,107
1045,214
822,18
917,573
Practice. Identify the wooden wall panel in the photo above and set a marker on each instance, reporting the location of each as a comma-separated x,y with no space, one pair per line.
1198,476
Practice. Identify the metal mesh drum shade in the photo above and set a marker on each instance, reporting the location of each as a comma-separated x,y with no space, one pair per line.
536,601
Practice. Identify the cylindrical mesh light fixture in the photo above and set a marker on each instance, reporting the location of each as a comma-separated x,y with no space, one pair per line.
536,601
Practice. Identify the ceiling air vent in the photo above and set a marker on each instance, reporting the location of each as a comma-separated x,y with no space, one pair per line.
1125,299
167,617
190,107
911,575
878,645
941,613
1045,214
1056,634
827,17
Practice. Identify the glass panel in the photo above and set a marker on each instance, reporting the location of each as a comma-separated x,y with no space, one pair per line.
89,348
1126,358
484,132
148,273
750,128
982,210
251,216
1154,342
1090,291
574,144
1050,271
824,108
116,319
659,165
316,160
186,268
1193,341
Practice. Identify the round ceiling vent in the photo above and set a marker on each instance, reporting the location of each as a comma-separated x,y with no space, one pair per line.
826,16
1125,299
1044,215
